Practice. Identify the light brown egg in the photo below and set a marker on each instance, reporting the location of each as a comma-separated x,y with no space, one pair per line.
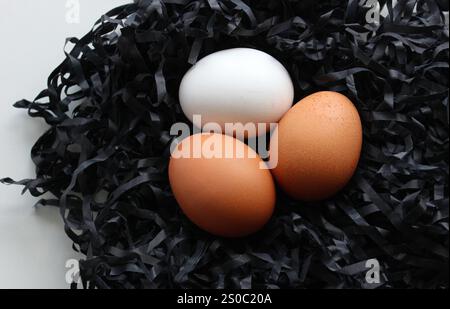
319,145
224,191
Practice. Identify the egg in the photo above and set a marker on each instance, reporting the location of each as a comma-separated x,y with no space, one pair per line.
318,144
237,86
221,188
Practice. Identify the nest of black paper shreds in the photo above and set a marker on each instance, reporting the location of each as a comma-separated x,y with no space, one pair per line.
112,101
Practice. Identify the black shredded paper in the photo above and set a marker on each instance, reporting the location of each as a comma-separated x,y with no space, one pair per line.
110,105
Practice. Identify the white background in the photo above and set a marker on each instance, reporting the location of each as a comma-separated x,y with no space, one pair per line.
33,246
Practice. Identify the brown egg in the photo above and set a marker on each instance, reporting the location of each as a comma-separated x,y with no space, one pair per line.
223,190
319,144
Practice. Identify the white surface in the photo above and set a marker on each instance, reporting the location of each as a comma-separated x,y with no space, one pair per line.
33,246
239,85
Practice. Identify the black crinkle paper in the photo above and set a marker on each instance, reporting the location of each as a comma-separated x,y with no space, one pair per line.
112,101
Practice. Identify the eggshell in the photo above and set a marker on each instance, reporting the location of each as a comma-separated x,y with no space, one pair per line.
225,195
319,144
239,85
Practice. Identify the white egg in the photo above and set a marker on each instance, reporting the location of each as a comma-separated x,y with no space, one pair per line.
237,86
